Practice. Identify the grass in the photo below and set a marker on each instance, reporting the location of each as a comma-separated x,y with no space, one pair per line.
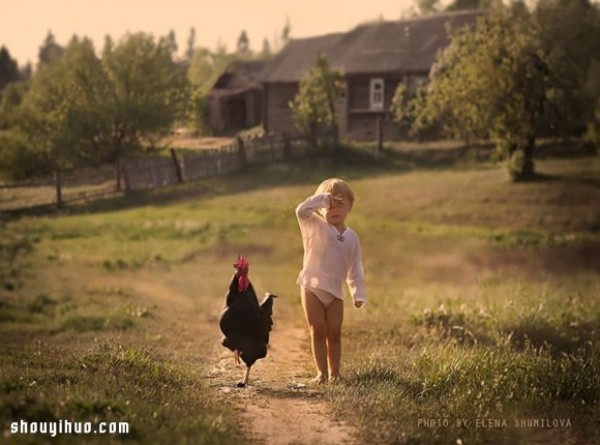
482,300
76,349
111,382
529,356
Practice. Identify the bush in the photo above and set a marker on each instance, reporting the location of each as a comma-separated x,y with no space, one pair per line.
515,165
18,160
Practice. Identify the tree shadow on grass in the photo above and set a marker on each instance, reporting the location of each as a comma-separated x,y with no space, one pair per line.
564,179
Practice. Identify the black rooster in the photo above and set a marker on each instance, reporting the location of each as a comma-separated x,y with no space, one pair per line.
245,323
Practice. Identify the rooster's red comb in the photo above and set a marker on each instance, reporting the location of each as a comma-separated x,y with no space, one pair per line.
241,264
242,272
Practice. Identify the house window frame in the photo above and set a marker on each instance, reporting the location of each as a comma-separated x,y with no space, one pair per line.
376,93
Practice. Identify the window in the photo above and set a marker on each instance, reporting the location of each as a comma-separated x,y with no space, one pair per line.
376,94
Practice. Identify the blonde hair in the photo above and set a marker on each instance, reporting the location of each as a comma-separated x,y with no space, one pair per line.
336,186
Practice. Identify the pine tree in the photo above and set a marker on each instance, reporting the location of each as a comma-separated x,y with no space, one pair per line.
9,70
243,43
191,44
285,33
266,48
49,51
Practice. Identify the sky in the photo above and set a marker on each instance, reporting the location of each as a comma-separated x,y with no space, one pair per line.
24,24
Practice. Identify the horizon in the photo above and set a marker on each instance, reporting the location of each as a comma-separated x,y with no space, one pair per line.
22,32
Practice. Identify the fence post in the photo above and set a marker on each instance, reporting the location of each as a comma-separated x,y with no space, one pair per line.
123,166
379,128
287,146
58,186
176,164
118,172
335,136
242,151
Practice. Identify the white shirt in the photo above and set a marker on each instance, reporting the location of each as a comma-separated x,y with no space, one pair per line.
329,257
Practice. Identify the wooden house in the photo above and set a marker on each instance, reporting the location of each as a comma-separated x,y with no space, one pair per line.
373,58
235,100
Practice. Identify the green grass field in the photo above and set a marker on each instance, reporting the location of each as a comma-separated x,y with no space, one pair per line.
483,301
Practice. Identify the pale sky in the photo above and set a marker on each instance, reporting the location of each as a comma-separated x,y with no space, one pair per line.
25,23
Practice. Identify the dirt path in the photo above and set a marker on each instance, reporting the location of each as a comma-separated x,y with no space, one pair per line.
279,406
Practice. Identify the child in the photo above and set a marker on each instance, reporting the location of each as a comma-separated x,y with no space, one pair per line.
331,255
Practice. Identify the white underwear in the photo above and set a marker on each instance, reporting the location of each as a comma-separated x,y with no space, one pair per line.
324,297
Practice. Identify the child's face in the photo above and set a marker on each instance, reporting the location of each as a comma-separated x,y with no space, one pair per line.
337,212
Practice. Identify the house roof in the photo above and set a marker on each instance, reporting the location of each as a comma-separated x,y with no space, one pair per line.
388,46
238,77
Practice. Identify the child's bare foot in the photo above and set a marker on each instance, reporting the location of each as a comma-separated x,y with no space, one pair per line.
320,378
336,379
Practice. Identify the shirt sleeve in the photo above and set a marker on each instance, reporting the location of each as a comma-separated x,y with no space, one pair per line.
356,276
310,205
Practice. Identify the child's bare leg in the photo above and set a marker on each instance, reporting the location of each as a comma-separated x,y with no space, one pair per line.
335,316
315,317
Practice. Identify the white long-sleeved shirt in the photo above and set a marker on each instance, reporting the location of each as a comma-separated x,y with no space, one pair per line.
330,258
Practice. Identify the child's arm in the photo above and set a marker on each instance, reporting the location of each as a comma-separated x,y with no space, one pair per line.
311,204
356,278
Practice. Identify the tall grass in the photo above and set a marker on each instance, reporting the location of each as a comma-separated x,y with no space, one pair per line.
508,356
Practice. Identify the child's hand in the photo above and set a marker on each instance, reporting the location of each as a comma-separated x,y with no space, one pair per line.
358,303
335,199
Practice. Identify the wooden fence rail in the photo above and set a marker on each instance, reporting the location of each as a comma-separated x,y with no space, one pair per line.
183,165
139,173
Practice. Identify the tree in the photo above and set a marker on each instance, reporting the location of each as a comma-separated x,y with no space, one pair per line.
146,91
169,43
569,39
82,110
9,69
191,44
10,99
49,51
266,49
285,33
26,72
243,43
403,107
592,134
427,6
56,124
498,81
206,66
313,108
204,69
109,44
458,5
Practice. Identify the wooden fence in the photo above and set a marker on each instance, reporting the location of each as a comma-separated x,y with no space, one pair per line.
139,173
184,165
63,188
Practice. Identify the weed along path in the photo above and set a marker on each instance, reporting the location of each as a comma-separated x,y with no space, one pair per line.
279,405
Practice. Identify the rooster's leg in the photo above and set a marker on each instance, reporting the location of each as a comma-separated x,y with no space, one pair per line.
243,383
236,356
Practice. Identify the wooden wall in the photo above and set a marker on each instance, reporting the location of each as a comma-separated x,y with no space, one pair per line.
277,115
355,120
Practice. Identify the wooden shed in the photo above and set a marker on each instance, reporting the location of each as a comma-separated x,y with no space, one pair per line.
235,100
